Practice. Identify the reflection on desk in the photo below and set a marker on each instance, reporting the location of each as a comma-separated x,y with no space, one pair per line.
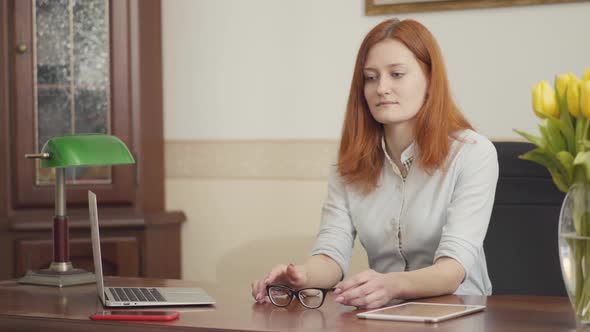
28,307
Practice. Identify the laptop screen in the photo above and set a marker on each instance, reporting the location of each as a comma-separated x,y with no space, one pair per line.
93,210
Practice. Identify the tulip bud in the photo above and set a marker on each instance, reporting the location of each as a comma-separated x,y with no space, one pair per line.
586,76
585,98
544,100
563,81
573,97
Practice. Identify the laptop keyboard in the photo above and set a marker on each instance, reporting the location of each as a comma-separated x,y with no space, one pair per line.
137,294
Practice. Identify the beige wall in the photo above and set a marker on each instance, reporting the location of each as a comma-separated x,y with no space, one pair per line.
281,69
249,204
254,97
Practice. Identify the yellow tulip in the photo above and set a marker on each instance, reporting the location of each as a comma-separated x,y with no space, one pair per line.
585,98
573,97
586,76
544,100
563,81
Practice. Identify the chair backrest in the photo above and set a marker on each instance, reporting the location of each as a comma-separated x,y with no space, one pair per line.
521,243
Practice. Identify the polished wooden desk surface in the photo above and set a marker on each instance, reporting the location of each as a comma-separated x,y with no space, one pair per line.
31,308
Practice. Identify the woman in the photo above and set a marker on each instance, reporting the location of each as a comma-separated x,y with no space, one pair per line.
413,181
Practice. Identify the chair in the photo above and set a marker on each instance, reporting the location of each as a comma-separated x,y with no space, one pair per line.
521,242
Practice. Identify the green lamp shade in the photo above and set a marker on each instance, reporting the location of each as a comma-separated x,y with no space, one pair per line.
85,150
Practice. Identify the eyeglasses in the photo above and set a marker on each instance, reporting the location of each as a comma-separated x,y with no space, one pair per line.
282,296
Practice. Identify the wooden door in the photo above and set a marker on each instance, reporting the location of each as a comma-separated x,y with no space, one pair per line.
71,76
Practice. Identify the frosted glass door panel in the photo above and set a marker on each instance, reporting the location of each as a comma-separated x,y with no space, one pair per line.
72,78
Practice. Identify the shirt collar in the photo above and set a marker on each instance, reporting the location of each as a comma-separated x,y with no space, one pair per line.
407,155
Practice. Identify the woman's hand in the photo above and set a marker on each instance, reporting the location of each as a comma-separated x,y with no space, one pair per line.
290,275
369,289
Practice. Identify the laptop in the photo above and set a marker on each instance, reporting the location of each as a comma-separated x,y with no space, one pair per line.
137,296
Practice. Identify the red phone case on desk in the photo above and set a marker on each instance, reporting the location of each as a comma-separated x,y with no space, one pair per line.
136,315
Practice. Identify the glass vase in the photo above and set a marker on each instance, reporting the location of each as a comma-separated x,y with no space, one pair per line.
574,248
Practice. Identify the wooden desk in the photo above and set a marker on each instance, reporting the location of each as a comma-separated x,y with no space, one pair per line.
34,308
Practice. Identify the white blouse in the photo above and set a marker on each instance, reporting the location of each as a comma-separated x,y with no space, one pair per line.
406,224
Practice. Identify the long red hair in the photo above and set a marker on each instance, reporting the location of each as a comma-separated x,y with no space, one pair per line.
361,157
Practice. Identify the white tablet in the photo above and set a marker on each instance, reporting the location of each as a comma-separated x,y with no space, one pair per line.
421,312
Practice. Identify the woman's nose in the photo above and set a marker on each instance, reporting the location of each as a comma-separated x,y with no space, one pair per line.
383,87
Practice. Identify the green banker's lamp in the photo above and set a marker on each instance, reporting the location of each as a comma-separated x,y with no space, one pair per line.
59,153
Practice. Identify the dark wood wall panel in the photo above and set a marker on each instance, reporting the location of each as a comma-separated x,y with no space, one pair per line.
120,255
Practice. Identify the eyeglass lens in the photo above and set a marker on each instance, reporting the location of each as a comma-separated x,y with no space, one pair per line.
310,297
280,296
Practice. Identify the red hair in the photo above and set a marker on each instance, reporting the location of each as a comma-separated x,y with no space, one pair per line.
361,157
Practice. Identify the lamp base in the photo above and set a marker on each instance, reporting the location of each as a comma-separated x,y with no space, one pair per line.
58,275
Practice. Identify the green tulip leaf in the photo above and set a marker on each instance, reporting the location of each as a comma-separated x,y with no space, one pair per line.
580,126
540,157
538,141
562,103
583,160
567,161
554,134
559,172
552,138
559,180
566,131
566,119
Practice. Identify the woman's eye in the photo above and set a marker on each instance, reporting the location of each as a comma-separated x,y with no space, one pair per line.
397,74
370,78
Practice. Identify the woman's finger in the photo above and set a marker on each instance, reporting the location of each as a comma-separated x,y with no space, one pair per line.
294,276
274,274
352,282
254,288
261,291
376,300
353,294
369,300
